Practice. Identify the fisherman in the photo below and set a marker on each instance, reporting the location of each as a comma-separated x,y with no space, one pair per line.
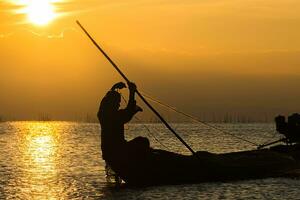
112,120
294,127
281,125
290,129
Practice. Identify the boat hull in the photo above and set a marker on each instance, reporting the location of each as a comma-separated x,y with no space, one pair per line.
160,167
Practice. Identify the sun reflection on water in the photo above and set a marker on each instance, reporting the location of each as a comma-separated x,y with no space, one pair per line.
51,160
41,154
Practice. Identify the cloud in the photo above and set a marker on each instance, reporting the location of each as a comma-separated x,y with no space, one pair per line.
21,31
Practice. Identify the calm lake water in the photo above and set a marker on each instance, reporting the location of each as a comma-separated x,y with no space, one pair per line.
62,160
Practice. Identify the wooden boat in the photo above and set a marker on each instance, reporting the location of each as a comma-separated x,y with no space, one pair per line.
156,167
160,167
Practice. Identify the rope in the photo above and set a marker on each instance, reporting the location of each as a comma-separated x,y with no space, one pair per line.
199,121
149,132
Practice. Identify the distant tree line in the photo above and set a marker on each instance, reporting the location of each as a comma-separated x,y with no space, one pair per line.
90,118
209,117
44,117
212,118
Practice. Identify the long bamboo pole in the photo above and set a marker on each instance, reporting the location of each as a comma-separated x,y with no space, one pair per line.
138,93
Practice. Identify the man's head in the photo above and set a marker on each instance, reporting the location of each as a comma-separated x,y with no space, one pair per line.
112,100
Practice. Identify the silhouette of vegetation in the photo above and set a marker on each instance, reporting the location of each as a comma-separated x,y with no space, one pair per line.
211,118
90,118
44,117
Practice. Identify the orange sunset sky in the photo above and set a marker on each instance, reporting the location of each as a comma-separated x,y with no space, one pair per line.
201,56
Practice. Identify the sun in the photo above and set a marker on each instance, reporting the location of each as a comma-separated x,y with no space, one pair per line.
39,12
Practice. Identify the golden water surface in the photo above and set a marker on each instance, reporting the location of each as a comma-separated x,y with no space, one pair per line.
62,160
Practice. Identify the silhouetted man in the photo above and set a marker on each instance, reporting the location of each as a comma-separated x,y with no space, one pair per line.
294,127
290,129
112,120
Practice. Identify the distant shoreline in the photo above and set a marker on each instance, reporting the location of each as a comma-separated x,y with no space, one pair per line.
142,122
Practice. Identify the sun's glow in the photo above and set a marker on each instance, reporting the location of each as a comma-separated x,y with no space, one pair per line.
40,158
39,12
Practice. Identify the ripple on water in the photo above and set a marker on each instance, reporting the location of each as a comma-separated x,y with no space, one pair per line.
62,160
